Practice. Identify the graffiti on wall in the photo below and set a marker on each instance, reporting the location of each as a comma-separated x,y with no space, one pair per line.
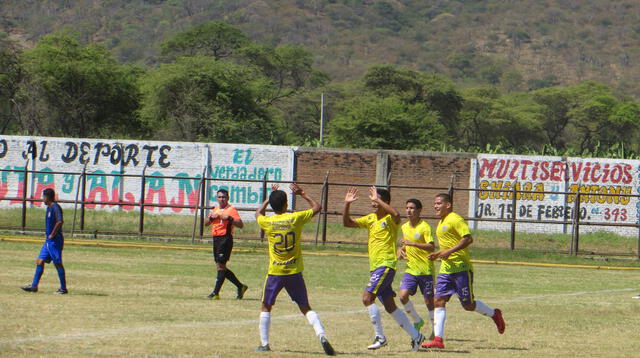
602,184
173,172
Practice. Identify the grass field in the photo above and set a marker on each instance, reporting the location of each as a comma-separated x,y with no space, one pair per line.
150,302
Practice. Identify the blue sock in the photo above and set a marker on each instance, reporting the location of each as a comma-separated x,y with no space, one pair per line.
61,276
38,275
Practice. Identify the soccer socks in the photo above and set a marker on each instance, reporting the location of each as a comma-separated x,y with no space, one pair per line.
232,277
403,321
483,309
219,281
265,323
62,277
411,311
374,314
38,275
439,316
314,321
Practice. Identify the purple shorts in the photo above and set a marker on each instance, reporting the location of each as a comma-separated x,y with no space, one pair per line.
380,282
460,283
411,283
52,251
294,284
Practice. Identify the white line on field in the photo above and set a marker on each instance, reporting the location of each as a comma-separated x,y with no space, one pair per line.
527,298
154,328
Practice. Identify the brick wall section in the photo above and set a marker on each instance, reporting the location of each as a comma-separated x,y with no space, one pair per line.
344,166
429,169
426,169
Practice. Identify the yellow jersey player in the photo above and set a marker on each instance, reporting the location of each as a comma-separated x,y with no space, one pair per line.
284,234
382,226
417,244
456,272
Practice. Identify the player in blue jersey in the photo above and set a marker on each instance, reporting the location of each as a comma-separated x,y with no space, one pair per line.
54,242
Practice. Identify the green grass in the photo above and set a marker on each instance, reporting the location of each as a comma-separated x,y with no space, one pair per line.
143,302
180,227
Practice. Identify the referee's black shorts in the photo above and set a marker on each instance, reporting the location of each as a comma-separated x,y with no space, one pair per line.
222,246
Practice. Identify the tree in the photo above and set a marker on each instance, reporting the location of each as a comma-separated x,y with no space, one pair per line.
216,39
386,123
557,103
201,99
10,76
78,91
438,94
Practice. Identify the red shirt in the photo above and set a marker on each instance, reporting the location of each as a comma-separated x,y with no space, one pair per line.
219,227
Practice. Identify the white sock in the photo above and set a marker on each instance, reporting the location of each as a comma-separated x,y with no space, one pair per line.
439,316
484,309
403,321
314,320
374,314
265,323
411,311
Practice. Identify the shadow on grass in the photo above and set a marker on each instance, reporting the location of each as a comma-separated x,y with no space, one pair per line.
80,293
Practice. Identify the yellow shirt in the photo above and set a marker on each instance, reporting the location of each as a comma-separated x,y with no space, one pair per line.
418,262
382,240
449,232
284,234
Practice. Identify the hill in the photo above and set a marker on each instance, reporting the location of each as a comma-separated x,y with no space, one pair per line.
517,45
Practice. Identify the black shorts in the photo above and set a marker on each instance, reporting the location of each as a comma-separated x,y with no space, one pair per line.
222,246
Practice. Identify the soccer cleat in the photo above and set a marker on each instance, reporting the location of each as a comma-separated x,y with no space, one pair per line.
213,296
497,318
636,296
241,290
436,342
29,288
61,291
264,348
415,343
328,350
418,325
378,342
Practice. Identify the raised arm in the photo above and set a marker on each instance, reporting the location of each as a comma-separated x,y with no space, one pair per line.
373,195
297,190
262,209
350,197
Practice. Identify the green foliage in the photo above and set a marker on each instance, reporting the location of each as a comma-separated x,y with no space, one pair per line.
386,123
201,99
10,76
216,39
75,90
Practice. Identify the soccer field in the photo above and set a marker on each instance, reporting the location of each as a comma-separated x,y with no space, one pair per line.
150,302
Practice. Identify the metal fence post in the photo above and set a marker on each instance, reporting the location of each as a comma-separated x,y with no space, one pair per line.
323,200
83,193
514,214
264,197
23,224
325,205
575,236
75,203
142,190
203,201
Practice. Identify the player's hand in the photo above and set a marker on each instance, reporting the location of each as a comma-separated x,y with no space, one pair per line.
296,189
407,242
373,193
275,186
352,195
401,253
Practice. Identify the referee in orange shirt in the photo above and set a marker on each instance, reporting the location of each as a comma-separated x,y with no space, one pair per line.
222,220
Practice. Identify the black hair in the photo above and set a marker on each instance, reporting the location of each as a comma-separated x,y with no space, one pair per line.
223,191
277,200
49,194
445,197
415,202
384,195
